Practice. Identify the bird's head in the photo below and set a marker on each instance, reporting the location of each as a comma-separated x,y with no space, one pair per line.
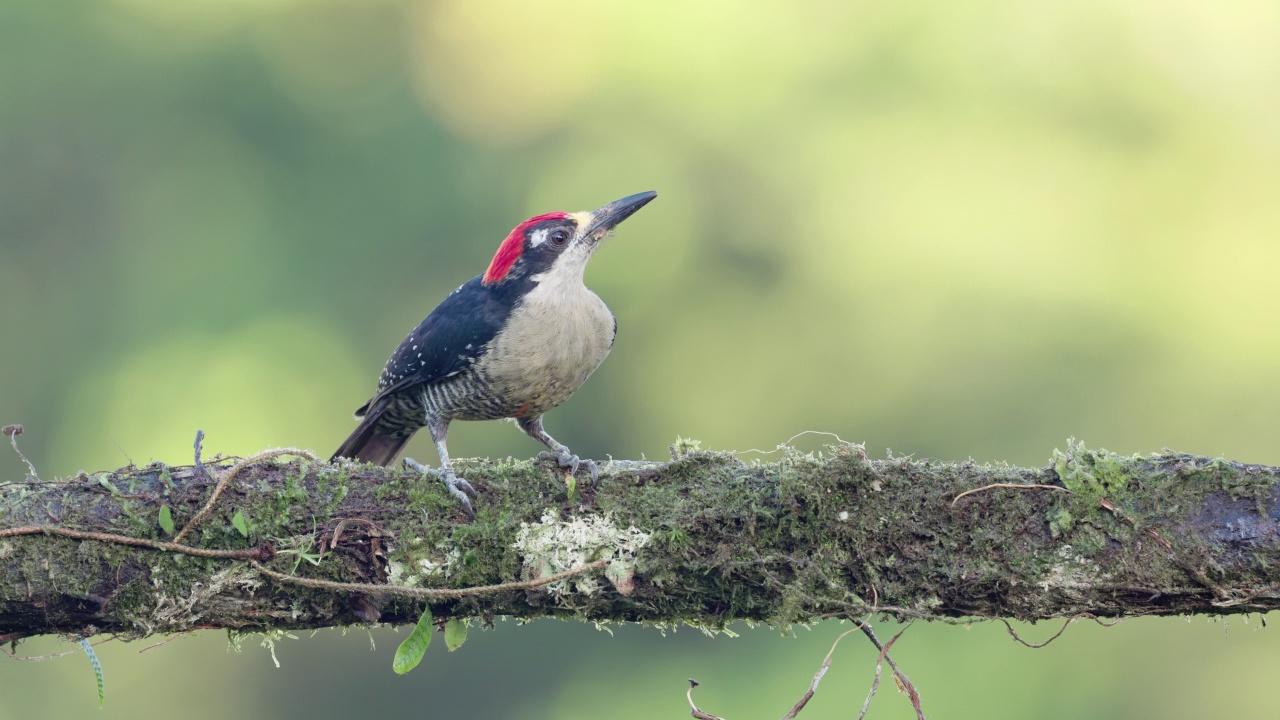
560,243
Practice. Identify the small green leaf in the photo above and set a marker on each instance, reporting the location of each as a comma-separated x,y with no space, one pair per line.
105,482
410,652
166,519
97,668
571,483
237,521
455,633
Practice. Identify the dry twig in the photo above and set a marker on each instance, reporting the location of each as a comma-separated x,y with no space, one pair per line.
1014,634
261,552
49,656
166,641
904,683
1013,486
693,709
12,432
880,662
817,677
199,517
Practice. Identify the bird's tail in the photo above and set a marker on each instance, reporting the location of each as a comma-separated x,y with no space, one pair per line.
368,444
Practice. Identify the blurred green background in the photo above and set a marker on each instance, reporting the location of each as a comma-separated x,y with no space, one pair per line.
950,229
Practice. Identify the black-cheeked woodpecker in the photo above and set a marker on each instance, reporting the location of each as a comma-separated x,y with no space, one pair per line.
514,342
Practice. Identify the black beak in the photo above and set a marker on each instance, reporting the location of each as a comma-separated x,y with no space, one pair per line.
608,217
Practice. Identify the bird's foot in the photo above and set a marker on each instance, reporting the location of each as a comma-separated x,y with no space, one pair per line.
458,487
571,462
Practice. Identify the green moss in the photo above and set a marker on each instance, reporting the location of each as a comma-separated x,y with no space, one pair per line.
1060,521
1093,474
332,483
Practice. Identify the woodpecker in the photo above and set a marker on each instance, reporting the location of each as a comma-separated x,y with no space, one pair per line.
513,343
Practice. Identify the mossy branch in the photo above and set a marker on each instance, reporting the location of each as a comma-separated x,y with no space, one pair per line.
705,538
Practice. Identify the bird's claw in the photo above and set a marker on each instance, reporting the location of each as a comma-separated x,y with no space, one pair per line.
571,463
563,459
458,488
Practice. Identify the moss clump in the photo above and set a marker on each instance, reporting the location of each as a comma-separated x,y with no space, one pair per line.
1093,474
1060,521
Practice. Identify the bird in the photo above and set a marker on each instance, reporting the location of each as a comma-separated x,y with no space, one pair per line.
511,343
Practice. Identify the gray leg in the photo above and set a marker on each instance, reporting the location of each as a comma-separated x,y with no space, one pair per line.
533,428
458,487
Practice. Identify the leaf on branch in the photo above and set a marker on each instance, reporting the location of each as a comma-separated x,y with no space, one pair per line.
237,521
410,652
166,519
455,633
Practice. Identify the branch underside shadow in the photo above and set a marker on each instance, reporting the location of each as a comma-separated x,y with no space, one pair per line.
786,541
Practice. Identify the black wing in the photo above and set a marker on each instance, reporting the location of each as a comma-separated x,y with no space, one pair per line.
449,340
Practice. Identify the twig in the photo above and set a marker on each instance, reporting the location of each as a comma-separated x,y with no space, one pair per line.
12,432
875,681
817,677
1014,486
1156,536
50,656
693,709
261,552
166,641
122,452
1111,507
378,531
903,681
222,484
199,465
429,593
789,440
1014,634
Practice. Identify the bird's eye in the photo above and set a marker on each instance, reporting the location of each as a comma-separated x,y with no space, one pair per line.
559,237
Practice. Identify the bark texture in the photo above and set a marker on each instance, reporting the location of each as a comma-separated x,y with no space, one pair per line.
705,539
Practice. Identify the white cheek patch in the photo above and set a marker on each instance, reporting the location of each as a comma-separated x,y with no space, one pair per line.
539,237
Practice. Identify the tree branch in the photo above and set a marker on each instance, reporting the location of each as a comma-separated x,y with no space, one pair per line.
703,539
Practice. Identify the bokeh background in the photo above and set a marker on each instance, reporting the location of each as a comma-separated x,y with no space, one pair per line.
949,229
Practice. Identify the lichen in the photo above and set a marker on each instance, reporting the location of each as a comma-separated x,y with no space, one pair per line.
1072,571
552,546
178,608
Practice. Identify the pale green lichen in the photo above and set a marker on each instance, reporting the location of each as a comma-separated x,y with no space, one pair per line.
1072,572
552,546
416,573
684,447
395,574
236,638
176,612
442,567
